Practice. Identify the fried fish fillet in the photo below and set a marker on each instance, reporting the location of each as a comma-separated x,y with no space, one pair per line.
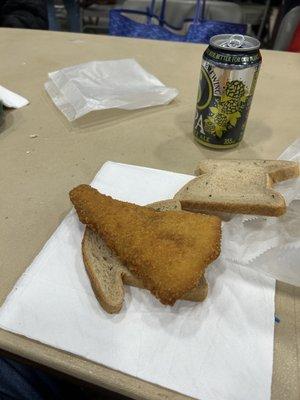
167,250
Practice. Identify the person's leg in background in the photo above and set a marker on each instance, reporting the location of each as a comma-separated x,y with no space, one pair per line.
53,21
73,11
20,381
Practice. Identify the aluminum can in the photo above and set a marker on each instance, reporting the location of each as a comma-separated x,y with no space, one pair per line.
229,72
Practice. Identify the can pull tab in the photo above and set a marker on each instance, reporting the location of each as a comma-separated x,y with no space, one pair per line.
234,41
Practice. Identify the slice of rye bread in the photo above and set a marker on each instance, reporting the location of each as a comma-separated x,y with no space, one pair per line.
237,186
108,275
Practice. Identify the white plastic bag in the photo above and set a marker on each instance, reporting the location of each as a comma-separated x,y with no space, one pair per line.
99,85
270,245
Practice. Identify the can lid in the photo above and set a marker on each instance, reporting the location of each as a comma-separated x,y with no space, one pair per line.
236,42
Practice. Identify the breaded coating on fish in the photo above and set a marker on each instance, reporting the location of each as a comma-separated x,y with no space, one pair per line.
167,250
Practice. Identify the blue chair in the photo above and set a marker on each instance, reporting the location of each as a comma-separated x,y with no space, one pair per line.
122,23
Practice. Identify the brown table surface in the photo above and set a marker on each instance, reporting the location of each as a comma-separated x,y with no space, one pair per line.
35,185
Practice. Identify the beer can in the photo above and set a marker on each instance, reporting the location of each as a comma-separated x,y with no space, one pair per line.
229,72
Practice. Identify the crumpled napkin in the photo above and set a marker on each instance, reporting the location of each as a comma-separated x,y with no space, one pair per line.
11,99
270,245
219,349
99,85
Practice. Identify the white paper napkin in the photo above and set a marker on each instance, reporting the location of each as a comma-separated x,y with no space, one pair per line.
11,99
219,349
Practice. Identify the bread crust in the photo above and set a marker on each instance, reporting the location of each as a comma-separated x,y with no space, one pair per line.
237,186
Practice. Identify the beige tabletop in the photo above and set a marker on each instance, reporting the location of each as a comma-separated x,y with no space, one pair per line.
37,173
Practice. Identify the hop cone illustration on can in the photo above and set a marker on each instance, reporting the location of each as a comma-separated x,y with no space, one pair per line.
221,119
235,89
229,106
209,126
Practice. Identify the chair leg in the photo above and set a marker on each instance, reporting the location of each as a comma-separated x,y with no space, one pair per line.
73,12
52,18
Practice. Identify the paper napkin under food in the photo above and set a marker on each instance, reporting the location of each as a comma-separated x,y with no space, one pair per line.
219,349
